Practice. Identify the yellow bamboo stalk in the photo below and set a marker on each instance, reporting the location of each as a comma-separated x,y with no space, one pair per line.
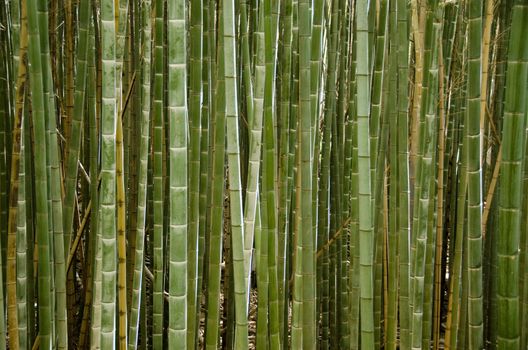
334,238
70,85
491,191
486,38
121,221
385,252
36,344
440,204
418,35
75,243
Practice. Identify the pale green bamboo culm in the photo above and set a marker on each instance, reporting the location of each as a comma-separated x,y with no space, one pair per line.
178,190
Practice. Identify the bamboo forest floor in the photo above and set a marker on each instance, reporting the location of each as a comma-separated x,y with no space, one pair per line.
252,322
252,325
253,302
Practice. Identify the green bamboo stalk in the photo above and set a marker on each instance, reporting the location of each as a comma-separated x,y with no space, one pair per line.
458,186
217,200
16,21
324,188
454,305
344,172
90,306
41,196
473,134
326,299
283,220
255,114
4,154
233,160
376,128
68,86
304,174
132,131
454,290
523,261
297,340
58,277
72,157
507,278
108,177
392,235
138,280
178,177
22,258
3,327
269,166
291,240
14,216
316,52
434,99
502,47
403,171
381,222
463,318
439,272
205,193
157,137
377,83
425,192
74,141
347,257
195,108
366,235
262,251
253,147
121,28
354,209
